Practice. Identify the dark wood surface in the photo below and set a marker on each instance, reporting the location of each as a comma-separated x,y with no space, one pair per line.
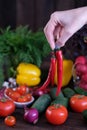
34,13
75,121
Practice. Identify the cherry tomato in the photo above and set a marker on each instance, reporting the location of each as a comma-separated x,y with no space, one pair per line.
7,107
22,89
10,120
14,95
22,99
78,102
56,114
29,96
9,91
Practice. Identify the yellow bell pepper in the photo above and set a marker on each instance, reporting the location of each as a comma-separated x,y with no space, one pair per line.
67,72
28,74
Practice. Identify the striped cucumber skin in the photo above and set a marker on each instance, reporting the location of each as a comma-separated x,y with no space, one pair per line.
53,93
61,100
42,103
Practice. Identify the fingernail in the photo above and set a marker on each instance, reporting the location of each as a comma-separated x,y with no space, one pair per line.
57,46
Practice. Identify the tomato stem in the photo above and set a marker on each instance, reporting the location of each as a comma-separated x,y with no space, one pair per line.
3,99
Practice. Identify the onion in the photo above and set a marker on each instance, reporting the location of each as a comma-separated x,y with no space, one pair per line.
37,93
2,90
31,115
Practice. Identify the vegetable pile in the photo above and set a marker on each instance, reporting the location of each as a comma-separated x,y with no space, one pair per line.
24,49
20,45
55,108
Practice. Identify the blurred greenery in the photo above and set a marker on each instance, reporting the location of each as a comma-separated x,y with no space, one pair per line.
21,45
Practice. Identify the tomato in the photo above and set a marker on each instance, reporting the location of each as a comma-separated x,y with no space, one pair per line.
7,107
22,89
56,114
14,95
22,99
9,91
10,120
78,102
29,97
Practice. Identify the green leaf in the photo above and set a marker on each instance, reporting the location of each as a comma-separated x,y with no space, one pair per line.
23,45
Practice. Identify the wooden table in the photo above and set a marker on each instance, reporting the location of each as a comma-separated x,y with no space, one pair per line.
74,122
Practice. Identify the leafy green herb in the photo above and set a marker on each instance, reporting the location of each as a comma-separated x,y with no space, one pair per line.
23,45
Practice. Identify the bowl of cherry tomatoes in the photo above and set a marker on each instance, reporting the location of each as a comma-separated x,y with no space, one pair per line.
20,95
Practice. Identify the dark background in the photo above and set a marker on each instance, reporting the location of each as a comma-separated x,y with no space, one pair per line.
34,13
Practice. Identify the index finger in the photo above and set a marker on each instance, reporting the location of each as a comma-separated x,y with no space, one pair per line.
49,33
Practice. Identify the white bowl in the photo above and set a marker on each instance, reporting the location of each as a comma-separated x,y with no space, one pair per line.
20,104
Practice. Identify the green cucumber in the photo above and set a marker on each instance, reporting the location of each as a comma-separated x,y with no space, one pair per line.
61,100
53,93
80,91
42,103
68,92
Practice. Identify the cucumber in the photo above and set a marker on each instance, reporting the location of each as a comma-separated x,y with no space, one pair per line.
61,100
53,93
68,92
80,91
42,103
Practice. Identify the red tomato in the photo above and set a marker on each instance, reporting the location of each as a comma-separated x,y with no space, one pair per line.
14,95
22,89
78,102
22,99
7,107
10,120
9,91
56,114
29,97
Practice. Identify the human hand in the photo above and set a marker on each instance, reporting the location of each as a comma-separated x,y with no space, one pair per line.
63,24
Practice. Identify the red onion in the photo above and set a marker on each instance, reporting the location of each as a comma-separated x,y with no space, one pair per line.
31,115
2,90
37,93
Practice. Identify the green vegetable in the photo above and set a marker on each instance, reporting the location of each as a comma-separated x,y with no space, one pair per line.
53,93
42,103
4,65
80,91
61,100
68,92
22,45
